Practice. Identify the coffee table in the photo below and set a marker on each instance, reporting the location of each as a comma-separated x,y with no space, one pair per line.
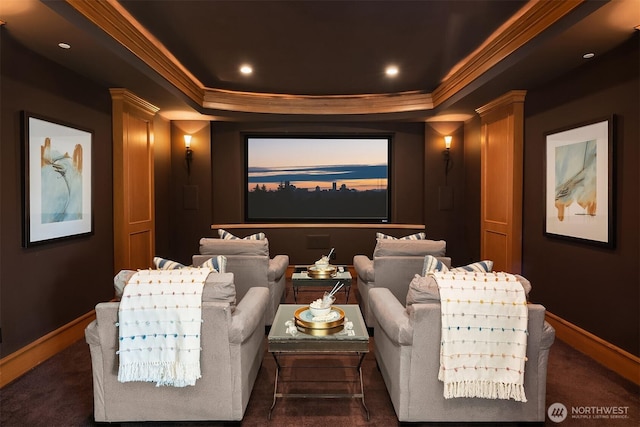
352,344
301,279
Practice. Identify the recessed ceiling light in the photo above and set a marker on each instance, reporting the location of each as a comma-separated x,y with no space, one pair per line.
64,45
391,71
246,69
588,55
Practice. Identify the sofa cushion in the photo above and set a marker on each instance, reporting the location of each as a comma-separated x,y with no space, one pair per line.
432,264
217,264
424,289
120,281
211,246
218,287
389,247
225,235
416,236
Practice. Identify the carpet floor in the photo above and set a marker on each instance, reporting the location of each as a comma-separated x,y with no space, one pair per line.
59,393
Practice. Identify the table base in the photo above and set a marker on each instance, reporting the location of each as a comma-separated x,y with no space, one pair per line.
278,379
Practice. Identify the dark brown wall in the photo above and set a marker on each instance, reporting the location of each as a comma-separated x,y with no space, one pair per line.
416,174
596,289
162,181
44,287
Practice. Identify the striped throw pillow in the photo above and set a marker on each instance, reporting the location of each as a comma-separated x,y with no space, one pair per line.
485,266
217,264
225,235
166,264
416,236
432,264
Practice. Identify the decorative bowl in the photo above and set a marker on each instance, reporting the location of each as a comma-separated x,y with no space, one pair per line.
319,311
321,273
321,306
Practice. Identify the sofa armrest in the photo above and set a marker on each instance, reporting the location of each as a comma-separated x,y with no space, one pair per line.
91,333
364,267
548,336
391,316
249,314
277,267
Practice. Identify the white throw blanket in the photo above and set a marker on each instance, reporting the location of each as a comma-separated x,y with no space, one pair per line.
159,321
484,335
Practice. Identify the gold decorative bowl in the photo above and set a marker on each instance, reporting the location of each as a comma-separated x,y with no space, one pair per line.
321,273
304,319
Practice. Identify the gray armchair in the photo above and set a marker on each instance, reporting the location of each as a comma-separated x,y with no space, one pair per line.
394,264
251,265
232,344
407,350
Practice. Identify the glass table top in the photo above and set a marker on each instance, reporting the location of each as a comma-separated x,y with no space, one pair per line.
281,338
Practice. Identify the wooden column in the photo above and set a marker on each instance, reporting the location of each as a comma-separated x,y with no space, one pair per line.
133,193
502,125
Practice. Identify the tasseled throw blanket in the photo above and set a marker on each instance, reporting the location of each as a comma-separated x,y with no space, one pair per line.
159,320
484,335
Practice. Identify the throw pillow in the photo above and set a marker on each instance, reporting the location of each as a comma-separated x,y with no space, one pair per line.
432,264
217,264
416,236
225,235
166,264
120,280
485,266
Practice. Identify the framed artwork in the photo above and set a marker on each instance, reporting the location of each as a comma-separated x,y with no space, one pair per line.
57,180
579,187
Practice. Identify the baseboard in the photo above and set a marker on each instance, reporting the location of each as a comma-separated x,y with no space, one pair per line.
618,360
614,358
30,356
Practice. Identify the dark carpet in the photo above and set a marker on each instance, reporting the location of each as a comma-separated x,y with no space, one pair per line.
59,393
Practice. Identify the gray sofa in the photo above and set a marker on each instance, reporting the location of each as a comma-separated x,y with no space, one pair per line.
407,350
394,264
232,342
251,265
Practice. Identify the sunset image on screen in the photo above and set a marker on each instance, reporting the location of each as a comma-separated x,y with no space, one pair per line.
311,177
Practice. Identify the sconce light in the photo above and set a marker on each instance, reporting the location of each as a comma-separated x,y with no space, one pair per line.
189,152
448,164
447,142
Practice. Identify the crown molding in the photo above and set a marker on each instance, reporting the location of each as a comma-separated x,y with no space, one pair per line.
530,21
111,17
246,102
129,98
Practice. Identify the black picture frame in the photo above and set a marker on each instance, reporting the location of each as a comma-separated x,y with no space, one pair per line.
580,183
317,178
57,186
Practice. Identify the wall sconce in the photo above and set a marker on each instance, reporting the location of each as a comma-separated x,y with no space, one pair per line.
188,153
448,164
